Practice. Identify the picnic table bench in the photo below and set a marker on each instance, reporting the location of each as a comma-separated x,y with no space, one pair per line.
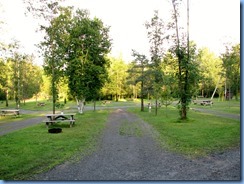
6,112
55,118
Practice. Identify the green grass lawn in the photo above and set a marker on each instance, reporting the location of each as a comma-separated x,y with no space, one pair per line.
231,106
198,136
33,150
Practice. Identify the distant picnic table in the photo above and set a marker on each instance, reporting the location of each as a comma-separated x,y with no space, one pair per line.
203,102
41,104
5,112
55,118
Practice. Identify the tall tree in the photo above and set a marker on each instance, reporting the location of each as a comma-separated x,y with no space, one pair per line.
54,48
156,32
89,43
180,50
45,11
140,65
231,65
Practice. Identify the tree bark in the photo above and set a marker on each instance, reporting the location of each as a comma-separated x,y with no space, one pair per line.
7,98
94,105
80,105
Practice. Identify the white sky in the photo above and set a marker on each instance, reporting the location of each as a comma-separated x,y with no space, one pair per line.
212,22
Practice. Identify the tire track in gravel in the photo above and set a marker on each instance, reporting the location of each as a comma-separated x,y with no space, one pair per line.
128,151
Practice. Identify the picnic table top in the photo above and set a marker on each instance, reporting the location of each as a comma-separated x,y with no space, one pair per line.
9,110
67,114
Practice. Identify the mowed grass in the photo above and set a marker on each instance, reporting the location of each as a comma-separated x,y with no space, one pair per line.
232,106
200,135
33,150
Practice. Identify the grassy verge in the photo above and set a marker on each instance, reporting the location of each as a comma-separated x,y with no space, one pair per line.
198,136
232,106
33,150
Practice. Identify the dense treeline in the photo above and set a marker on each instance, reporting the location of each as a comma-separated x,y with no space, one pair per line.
221,72
77,67
21,79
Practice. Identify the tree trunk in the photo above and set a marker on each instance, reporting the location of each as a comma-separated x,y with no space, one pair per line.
156,107
53,88
183,112
7,98
215,89
94,105
142,100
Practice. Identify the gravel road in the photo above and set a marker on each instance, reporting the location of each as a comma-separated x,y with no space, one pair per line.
6,128
128,150
217,113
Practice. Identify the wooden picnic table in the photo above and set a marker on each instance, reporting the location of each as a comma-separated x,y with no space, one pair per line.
55,118
206,102
5,112
203,102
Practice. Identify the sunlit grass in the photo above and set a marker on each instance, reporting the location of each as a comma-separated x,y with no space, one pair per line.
33,150
199,135
231,106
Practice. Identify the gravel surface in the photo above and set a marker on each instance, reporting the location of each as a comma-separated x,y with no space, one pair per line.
217,113
128,150
6,128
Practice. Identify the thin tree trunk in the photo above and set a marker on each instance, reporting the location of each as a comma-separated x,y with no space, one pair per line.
94,105
156,107
179,60
215,89
7,98
142,100
53,89
80,105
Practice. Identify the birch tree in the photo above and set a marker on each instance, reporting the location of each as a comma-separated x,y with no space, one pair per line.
86,60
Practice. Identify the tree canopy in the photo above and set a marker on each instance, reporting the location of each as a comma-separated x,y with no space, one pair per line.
76,46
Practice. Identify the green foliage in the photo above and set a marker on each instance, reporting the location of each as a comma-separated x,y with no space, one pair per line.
141,74
75,47
156,33
166,96
231,65
20,78
54,48
117,74
185,53
87,63
210,71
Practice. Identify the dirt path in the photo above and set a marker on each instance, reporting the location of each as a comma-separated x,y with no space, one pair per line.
6,128
128,151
